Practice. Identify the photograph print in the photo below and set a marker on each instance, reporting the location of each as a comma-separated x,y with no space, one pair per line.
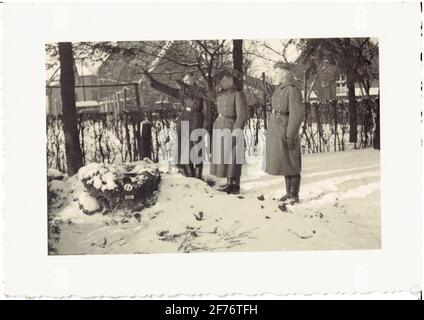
230,145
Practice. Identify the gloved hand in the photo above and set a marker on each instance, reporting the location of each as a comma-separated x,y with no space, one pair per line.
180,83
291,143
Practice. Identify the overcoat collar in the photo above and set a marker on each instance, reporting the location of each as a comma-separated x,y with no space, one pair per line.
286,83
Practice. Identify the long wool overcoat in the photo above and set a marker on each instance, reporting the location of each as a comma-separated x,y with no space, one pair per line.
285,121
232,114
197,116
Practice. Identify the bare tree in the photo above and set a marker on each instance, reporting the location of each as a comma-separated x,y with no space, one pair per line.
352,57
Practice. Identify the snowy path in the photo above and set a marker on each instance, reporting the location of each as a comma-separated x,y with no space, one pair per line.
339,209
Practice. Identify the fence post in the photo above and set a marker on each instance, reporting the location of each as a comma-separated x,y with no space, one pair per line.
125,98
50,102
145,134
137,96
335,125
117,104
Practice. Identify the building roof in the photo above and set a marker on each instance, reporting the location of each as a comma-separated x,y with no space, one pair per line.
373,91
86,69
87,104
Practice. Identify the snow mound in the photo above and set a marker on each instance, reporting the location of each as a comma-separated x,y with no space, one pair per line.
59,187
54,174
73,215
88,204
58,192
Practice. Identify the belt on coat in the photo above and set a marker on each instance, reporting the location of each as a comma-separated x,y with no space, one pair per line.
281,113
227,117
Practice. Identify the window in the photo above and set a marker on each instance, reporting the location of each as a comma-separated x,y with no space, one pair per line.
341,88
323,83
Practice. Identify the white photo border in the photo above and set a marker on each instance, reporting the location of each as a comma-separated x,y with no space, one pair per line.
29,271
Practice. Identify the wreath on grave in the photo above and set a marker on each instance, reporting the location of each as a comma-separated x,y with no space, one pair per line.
121,187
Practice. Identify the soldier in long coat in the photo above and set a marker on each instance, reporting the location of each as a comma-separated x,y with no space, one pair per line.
196,113
232,115
283,155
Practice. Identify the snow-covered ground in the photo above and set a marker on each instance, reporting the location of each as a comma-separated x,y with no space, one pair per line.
339,209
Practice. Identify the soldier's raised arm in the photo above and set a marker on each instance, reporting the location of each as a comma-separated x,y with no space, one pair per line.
241,110
162,87
296,112
253,82
196,91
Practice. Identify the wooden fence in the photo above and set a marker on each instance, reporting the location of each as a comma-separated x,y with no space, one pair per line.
119,137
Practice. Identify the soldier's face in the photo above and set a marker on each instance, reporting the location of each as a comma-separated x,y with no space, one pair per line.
281,74
227,82
188,79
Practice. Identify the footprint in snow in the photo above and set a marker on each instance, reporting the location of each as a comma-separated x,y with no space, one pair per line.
304,236
282,207
199,217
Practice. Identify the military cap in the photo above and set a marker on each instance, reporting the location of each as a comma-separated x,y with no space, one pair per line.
283,65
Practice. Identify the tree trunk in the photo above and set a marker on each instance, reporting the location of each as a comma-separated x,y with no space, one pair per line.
376,136
353,112
348,65
264,105
238,62
69,113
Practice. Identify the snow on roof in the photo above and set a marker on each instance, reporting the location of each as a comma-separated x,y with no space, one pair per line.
373,91
87,69
86,104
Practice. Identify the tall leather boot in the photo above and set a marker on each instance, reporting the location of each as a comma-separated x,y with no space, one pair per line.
189,170
288,187
227,187
198,171
235,186
182,169
295,186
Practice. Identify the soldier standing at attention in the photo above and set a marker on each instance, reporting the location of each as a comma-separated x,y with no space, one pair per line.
195,112
232,115
283,156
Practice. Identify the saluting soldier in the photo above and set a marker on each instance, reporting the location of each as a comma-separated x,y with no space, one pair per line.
283,156
195,112
227,152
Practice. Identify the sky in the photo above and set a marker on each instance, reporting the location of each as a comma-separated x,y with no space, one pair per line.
272,55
